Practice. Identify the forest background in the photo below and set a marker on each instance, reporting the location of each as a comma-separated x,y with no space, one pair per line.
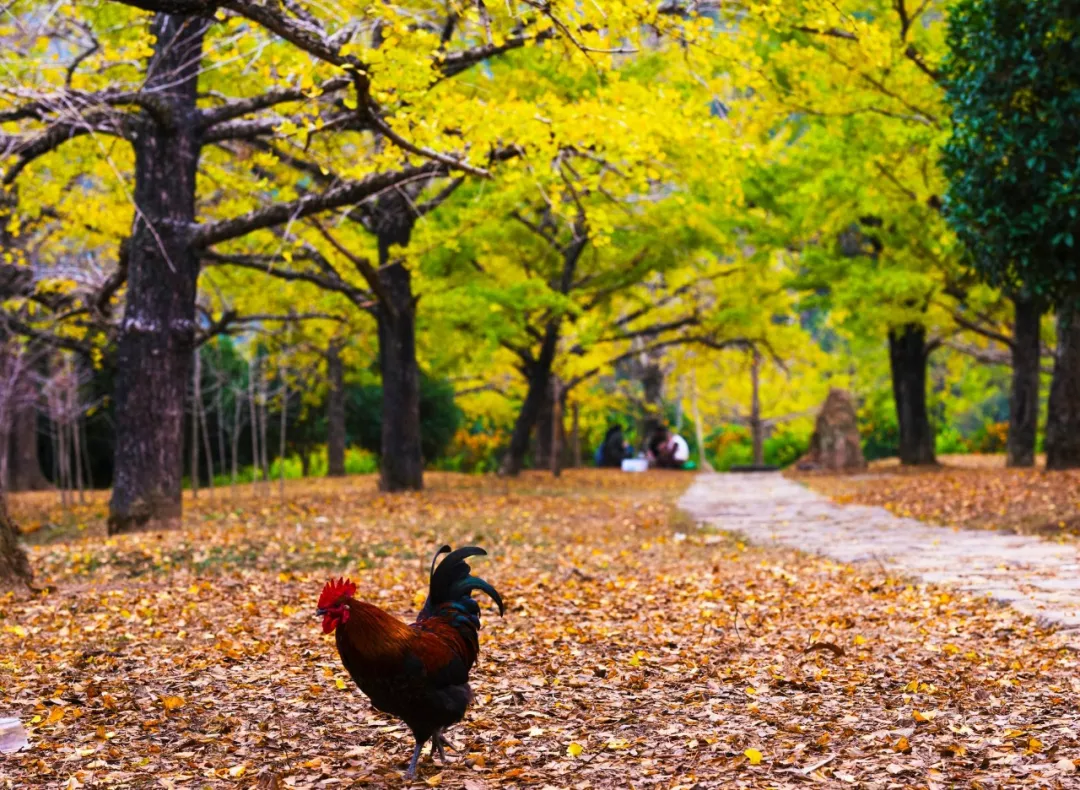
251,240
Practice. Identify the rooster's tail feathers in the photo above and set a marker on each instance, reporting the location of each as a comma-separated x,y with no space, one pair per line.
452,581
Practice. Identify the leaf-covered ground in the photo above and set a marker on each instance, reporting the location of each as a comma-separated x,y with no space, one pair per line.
636,652
966,491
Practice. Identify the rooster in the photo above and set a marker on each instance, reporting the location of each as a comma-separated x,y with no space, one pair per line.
418,672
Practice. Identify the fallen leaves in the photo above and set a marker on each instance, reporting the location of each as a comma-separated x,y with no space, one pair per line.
689,660
980,493
170,702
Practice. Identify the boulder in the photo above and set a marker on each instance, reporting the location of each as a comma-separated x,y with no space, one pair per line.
835,445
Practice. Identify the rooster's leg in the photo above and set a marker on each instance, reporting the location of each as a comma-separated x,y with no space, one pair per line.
446,741
411,772
437,742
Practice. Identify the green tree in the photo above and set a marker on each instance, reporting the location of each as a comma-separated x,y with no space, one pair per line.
1013,163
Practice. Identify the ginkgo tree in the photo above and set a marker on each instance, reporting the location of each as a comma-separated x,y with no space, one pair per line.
570,123
220,74
853,91
1012,161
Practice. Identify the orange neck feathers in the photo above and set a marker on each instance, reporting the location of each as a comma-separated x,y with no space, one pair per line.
373,633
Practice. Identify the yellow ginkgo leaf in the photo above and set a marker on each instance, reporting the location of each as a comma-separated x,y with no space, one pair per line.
754,756
575,749
172,702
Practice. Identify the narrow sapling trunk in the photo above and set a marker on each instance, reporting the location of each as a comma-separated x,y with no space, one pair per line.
757,427
335,412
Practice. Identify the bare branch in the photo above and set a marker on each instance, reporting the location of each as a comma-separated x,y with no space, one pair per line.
367,271
348,193
242,107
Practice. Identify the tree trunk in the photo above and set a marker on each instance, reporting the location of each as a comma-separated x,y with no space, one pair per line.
908,354
544,433
14,565
539,369
238,410
575,434
254,411
757,427
219,412
196,396
537,394
556,427
25,472
703,463
206,446
402,467
283,427
264,426
157,332
652,383
86,460
1063,417
335,412
1024,398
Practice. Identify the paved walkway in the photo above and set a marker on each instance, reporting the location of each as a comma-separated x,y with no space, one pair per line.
1035,576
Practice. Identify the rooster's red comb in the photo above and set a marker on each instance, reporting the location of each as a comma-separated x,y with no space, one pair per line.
335,591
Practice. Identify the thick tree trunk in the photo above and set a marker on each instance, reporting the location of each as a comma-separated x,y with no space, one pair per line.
402,467
652,382
1024,398
908,354
157,332
539,369
335,412
26,474
1063,417
550,431
542,435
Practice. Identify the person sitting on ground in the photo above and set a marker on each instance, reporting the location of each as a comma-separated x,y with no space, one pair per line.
613,449
668,450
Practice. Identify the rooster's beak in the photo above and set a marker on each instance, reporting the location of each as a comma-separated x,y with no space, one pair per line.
320,612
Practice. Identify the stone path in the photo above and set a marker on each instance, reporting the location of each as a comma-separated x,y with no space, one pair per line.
1035,576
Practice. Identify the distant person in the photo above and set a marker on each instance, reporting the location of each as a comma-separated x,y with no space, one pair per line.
668,450
612,450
